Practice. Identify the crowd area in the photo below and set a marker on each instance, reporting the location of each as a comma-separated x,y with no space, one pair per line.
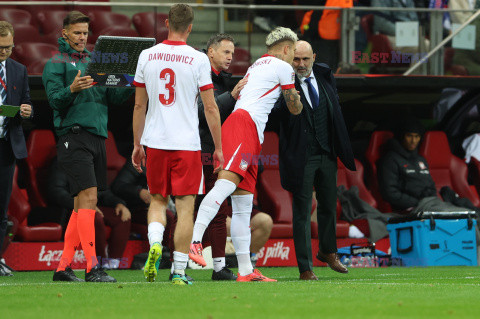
191,180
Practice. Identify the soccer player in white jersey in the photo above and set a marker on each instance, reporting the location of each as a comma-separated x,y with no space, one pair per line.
169,77
242,136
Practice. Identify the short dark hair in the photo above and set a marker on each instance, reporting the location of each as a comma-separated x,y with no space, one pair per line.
180,17
215,40
5,28
74,17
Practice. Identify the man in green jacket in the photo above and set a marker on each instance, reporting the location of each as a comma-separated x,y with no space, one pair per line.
80,115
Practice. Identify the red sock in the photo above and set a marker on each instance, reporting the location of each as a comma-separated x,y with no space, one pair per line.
86,230
71,242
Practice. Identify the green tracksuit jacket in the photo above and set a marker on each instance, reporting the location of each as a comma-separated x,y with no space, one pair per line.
88,108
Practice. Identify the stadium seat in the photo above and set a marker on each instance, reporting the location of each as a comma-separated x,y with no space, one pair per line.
41,148
446,169
113,31
36,68
51,20
101,20
34,10
380,42
449,67
348,179
15,16
144,22
373,154
115,161
273,199
18,210
87,9
238,68
26,33
29,53
241,55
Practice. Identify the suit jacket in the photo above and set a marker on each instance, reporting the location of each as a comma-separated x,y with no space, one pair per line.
293,132
18,92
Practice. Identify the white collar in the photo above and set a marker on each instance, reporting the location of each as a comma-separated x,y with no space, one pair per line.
4,63
310,76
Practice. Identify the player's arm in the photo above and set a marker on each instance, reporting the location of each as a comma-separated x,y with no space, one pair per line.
213,120
292,100
140,108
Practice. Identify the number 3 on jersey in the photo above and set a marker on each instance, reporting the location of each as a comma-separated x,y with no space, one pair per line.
168,77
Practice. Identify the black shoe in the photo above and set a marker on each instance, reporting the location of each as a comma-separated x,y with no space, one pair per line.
66,275
187,276
224,274
98,275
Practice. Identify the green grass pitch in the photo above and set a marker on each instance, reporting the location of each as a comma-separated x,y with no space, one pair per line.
434,292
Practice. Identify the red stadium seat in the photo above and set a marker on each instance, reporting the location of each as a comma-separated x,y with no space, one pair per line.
348,179
446,169
101,20
28,53
34,10
87,8
238,68
26,33
15,16
373,154
273,199
41,148
114,31
51,20
36,68
115,161
18,210
241,55
144,22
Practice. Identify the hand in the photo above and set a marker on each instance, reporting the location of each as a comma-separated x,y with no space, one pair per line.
81,83
145,196
98,211
25,111
236,90
218,159
124,211
138,158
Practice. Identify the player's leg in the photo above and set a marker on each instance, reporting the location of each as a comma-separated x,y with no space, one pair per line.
183,235
225,185
261,226
217,233
157,220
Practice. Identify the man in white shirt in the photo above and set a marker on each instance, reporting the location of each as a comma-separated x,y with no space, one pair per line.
169,77
268,78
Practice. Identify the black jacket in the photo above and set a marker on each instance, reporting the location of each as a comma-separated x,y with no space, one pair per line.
128,184
293,132
403,177
18,92
226,104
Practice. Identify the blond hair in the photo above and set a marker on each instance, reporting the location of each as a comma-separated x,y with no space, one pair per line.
278,35
5,29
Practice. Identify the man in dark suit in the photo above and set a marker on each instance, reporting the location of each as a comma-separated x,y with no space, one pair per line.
309,145
14,90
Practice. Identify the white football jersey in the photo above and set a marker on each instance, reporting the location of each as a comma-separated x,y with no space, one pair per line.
267,77
172,73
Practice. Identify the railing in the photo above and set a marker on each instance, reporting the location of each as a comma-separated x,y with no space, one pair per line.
214,20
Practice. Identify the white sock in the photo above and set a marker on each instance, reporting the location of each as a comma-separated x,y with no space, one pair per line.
179,263
240,231
210,206
218,263
155,233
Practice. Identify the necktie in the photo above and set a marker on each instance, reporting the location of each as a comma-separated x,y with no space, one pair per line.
314,100
3,94
3,90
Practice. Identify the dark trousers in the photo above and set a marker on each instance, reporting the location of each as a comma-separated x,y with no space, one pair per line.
7,168
321,174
